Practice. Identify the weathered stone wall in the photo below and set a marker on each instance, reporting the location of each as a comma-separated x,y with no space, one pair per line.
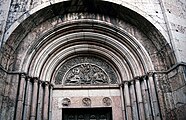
177,92
8,94
171,86
175,13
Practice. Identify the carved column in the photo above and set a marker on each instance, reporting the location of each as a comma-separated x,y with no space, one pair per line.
139,99
122,101
127,102
154,102
34,100
146,100
133,101
40,101
46,101
50,109
20,98
28,99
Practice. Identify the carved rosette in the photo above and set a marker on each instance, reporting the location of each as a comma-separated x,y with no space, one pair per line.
86,101
86,73
107,101
66,102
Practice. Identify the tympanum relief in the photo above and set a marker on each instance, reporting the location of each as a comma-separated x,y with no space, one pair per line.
85,71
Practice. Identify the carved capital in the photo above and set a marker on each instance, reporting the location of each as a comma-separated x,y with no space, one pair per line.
150,74
28,79
23,75
40,82
126,82
34,80
137,78
51,86
46,83
121,84
131,82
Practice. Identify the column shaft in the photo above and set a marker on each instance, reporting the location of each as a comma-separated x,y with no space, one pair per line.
20,98
40,102
122,102
46,101
140,100
127,101
147,104
34,100
28,93
154,103
133,101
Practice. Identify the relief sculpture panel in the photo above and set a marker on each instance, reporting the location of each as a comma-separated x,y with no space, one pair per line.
85,71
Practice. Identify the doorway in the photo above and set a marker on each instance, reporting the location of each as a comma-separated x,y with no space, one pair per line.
87,113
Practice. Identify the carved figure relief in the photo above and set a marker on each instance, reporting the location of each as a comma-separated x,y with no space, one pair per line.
86,73
85,70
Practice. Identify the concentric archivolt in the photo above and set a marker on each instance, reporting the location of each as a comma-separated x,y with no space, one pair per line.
125,53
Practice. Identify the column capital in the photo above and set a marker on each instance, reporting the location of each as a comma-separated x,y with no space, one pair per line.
150,74
34,79
125,82
137,78
40,81
28,78
23,75
51,85
46,83
120,84
132,82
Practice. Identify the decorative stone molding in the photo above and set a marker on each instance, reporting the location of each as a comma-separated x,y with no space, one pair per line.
86,101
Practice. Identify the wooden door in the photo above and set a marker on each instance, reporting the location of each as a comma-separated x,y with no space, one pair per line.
87,114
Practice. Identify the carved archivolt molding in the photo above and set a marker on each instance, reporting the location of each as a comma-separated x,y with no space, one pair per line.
86,73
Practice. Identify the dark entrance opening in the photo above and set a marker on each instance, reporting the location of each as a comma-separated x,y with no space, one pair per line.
87,113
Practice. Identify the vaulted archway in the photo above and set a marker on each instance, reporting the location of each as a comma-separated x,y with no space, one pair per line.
120,51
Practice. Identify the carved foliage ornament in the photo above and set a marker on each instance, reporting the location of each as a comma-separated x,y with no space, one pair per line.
86,73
